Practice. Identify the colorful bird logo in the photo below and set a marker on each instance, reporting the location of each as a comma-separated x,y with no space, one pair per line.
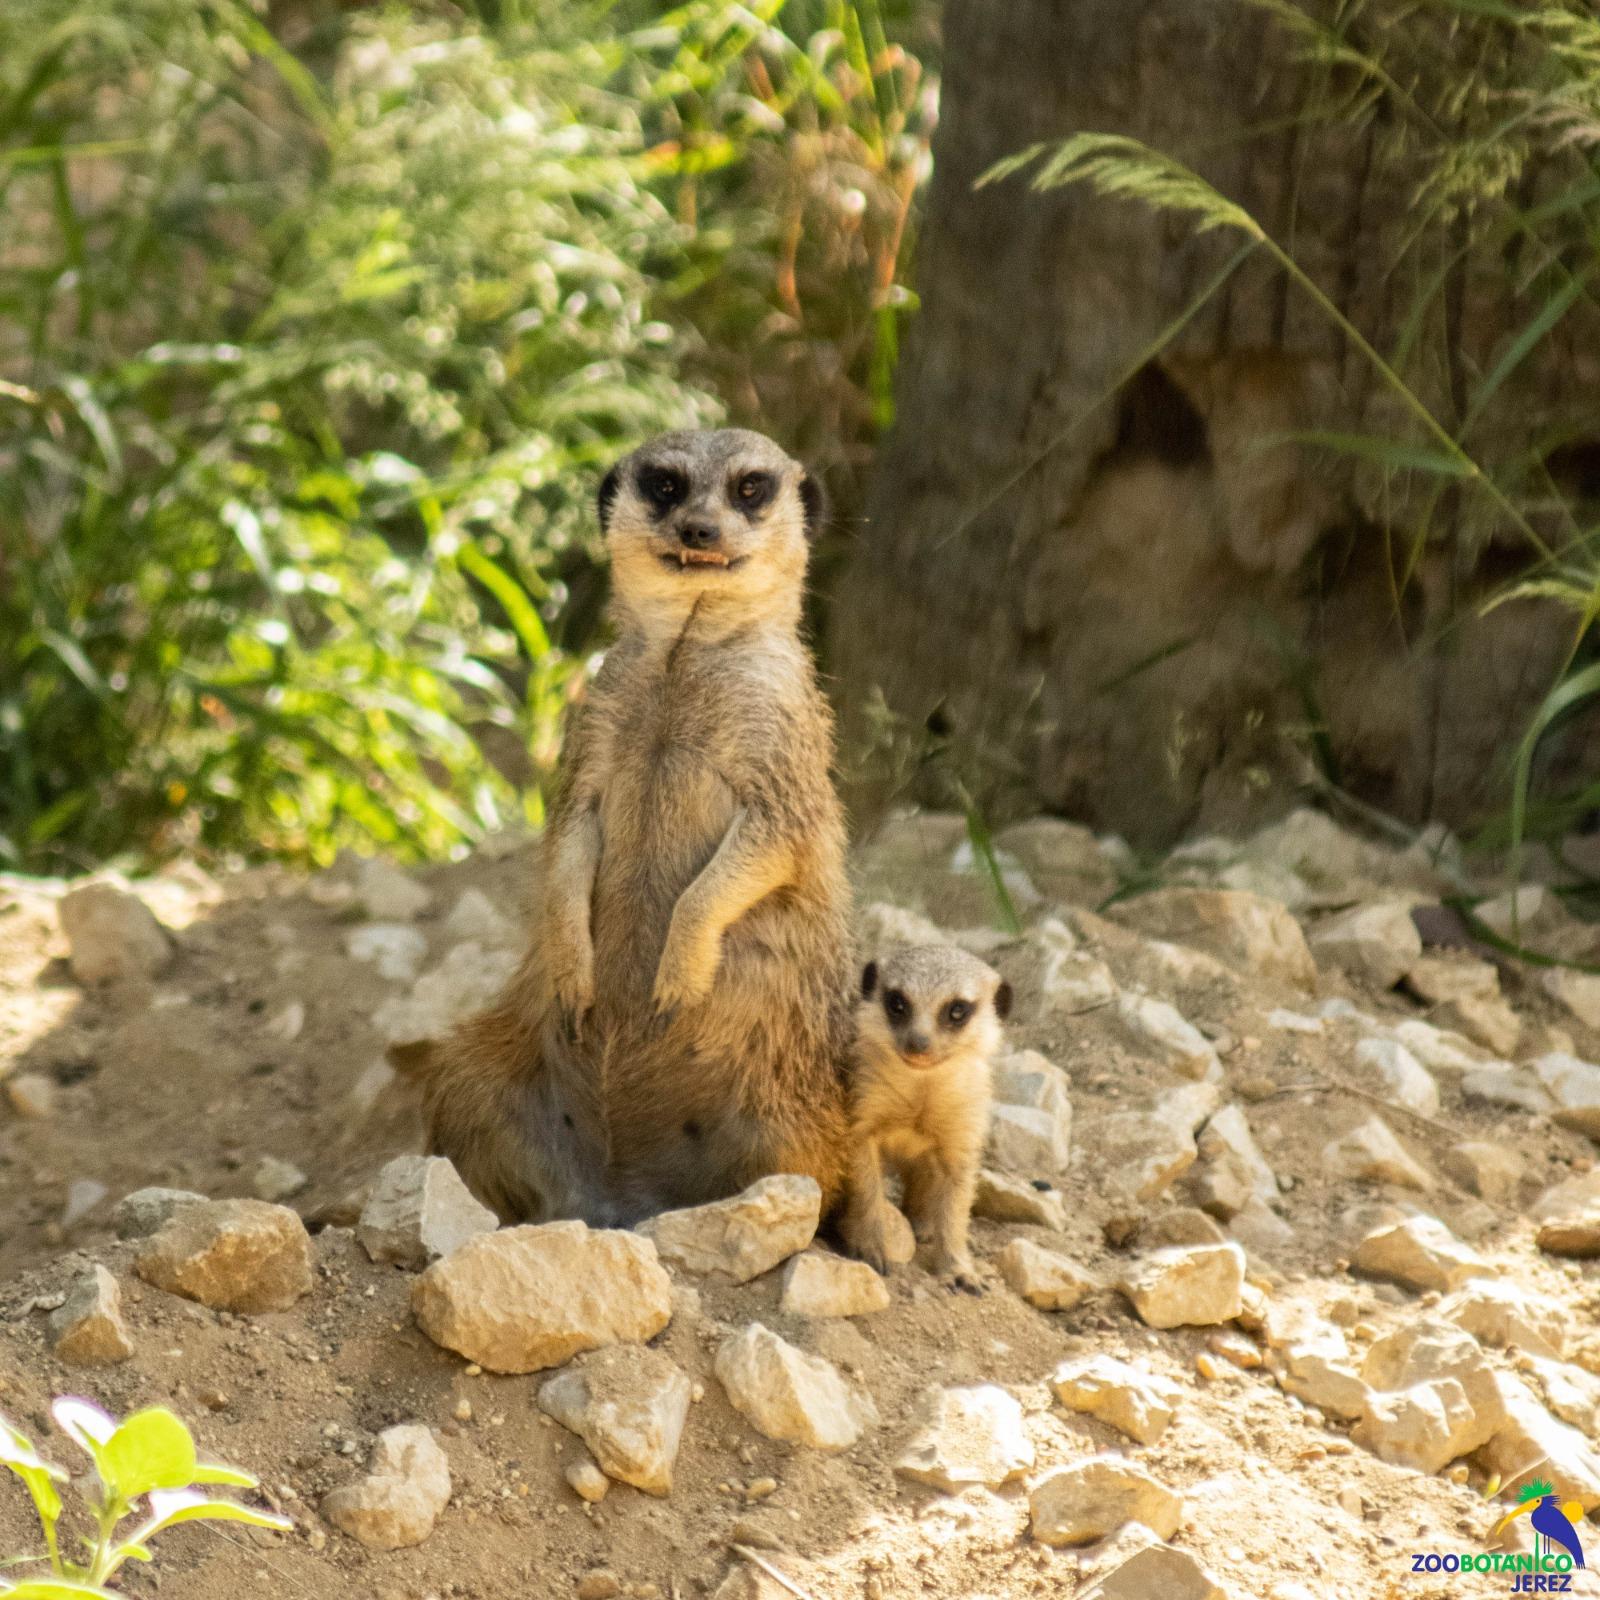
1554,1523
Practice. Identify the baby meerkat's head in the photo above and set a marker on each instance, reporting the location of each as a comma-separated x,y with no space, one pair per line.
930,1002
716,517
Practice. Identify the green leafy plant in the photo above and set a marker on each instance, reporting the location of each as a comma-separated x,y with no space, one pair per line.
149,1457
313,344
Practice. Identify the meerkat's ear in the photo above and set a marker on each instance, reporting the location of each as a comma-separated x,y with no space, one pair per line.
1002,1000
869,979
814,501
608,495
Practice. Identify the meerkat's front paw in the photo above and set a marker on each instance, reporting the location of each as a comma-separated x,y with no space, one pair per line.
572,980
683,978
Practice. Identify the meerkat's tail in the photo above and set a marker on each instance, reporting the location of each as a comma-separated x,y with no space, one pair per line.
474,1086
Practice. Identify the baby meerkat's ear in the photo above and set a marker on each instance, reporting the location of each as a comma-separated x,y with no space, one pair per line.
608,495
869,979
1002,1000
814,501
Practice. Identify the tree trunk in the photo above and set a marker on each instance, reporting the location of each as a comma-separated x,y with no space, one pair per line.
1116,596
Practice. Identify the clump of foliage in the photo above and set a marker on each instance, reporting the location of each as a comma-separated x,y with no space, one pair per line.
150,1457
311,350
1486,116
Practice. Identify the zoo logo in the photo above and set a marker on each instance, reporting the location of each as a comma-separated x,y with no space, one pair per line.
1557,1549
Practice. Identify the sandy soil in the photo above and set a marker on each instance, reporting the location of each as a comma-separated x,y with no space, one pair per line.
190,1081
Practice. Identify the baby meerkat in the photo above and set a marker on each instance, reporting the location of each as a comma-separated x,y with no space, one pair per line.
927,1025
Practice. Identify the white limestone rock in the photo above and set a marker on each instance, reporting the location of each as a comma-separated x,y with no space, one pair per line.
1044,1278
1404,1079
629,1406
1026,1140
1376,943
1370,1151
232,1255
965,1436
1249,932
789,1395
1530,1443
1504,1315
818,1284
1159,1572
469,979
112,935
1176,1042
1132,1399
1196,1285
420,1210
476,918
388,894
1091,1499
742,1237
139,1214
406,1488
87,1328
396,949
1139,1155
1574,1086
1000,1197
521,1299
1500,1084
1419,1253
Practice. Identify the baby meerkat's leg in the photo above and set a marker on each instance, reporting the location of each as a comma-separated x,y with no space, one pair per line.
864,1224
749,864
567,947
944,1189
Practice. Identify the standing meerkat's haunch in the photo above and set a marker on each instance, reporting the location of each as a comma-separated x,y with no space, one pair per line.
679,1024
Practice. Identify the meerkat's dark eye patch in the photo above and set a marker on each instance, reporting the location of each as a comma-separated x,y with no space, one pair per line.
663,487
896,1004
1002,1001
956,1013
753,490
869,979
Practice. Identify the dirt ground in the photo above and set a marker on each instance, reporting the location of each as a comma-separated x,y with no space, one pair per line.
191,1079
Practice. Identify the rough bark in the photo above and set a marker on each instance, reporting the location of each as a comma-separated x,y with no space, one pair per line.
1112,598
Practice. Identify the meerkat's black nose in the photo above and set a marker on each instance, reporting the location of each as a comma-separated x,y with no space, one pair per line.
698,535
916,1044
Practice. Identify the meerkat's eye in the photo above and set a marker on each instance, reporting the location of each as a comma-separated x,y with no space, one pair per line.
753,490
957,1012
896,1004
661,487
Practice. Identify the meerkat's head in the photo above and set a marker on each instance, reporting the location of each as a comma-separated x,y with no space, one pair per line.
719,518
928,1003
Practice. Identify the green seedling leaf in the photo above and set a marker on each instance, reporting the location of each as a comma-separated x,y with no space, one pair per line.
39,1477
54,1589
151,1450
210,1472
172,1506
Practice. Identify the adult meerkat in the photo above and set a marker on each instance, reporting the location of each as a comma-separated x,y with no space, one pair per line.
927,1026
679,1025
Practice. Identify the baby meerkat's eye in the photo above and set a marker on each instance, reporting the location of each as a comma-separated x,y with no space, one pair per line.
957,1012
896,1004
753,490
